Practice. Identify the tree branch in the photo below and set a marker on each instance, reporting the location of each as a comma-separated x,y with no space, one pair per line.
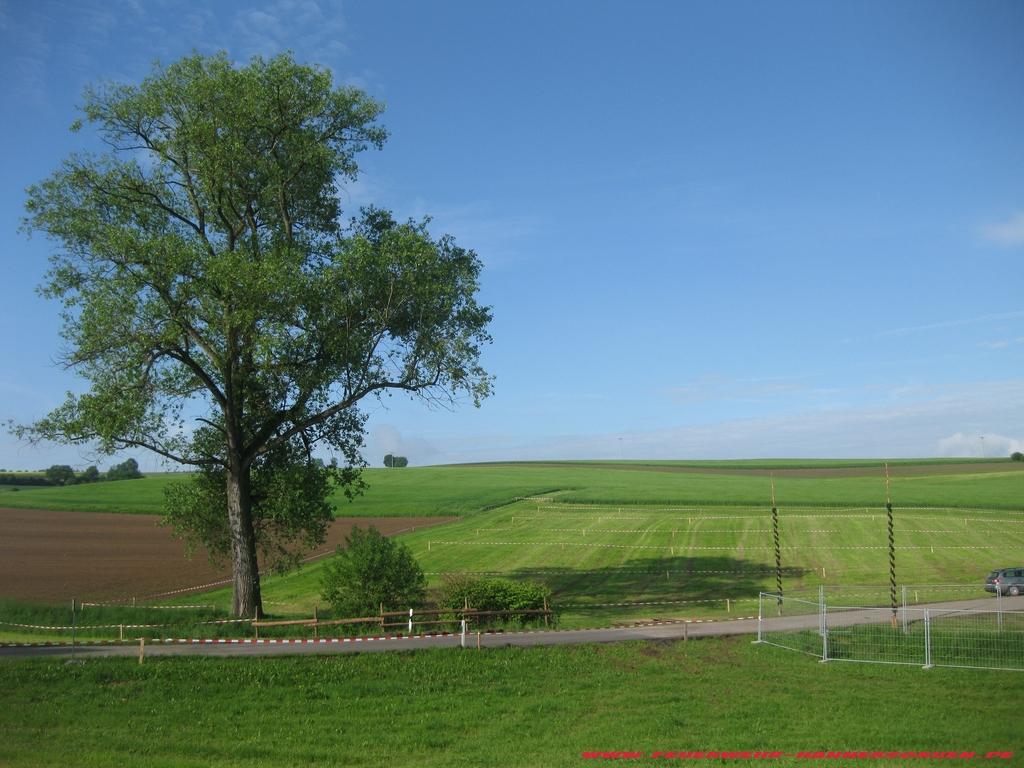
335,409
123,443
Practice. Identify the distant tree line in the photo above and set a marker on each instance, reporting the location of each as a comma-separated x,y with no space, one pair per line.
63,474
395,461
23,478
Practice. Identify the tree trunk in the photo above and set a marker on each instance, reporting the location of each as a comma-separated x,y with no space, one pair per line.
248,602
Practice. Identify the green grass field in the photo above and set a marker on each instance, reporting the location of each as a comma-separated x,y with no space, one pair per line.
752,463
636,544
681,543
467,489
500,707
608,563
142,496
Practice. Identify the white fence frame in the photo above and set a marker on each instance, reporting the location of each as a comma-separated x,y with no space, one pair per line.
950,637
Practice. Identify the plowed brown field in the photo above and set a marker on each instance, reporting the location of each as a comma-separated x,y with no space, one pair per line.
52,556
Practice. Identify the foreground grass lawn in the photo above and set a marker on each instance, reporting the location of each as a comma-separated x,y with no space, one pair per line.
508,707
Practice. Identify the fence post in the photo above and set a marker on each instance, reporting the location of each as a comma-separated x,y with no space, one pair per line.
904,595
824,634
999,607
821,610
927,640
462,637
760,604
410,621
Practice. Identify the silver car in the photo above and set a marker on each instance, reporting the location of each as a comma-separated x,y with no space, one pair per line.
1006,581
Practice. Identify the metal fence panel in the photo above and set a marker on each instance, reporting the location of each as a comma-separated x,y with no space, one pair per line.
878,635
926,637
989,639
790,623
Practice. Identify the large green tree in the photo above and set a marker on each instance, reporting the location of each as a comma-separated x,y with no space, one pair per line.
224,314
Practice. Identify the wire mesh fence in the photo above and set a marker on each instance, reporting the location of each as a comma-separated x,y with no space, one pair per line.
790,623
935,636
878,635
993,639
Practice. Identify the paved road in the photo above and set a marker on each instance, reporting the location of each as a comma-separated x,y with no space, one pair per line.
560,637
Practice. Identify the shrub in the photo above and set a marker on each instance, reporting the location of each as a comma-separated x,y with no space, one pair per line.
491,594
1017,456
369,571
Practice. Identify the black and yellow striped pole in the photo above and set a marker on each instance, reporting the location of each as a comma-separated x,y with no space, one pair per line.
892,548
778,550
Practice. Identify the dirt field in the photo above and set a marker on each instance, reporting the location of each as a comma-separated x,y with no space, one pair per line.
54,556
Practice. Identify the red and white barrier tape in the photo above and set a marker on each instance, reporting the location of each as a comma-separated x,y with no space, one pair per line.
343,640
126,604
244,640
616,571
116,626
658,602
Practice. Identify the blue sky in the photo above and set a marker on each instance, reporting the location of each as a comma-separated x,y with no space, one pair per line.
710,230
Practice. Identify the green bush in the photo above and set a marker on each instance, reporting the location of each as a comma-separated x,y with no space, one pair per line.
491,594
23,478
1017,456
372,570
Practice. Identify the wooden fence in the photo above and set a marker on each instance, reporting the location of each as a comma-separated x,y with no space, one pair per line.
410,618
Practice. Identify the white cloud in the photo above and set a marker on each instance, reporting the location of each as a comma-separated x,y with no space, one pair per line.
1009,232
1001,343
363,191
499,238
716,388
280,25
386,438
30,66
315,30
962,444
918,427
17,455
1017,313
